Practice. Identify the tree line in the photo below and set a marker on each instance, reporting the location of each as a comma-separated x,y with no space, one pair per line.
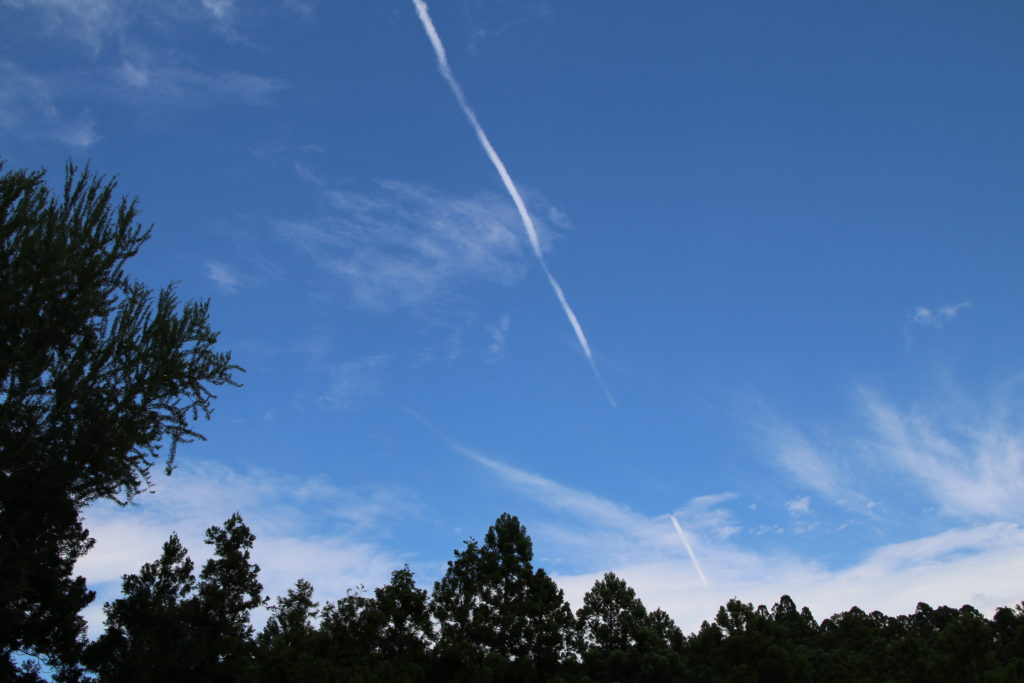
102,378
494,617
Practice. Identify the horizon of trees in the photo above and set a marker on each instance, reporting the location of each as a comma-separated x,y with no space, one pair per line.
493,616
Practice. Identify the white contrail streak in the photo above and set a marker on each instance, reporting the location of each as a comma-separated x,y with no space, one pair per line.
689,549
510,186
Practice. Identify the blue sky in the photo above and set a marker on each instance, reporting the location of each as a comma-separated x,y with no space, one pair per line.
790,233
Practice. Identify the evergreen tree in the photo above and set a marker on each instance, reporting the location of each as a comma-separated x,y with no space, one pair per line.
229,588
498,616
620,641
291,619
290,646
399,616
97,373
150,632
1008,642
348,642
169,627
384,637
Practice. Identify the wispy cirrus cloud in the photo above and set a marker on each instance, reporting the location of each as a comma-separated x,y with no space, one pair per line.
963,458
30,105
801,505
979,565
176,82
352,383
97,24
499,337
225,276
406,244
242,268
972,466
89,23
133,55
813,465
220,9
939,315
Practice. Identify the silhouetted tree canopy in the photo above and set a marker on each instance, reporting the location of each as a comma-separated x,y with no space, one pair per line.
500,619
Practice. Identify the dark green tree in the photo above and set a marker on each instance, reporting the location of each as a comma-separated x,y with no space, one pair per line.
399,617
169,627
751,645
620,641
150,634
1008,641
290,648
384,637
229,589
857,647
498,616
348,641
292,618
97,374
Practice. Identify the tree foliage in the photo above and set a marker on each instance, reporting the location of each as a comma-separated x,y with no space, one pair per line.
619,640
497,612
170,627
98,373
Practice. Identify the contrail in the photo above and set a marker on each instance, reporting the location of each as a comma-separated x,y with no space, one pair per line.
689,549
510,186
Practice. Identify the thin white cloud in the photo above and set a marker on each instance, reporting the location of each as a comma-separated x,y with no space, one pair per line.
98,23
86,22
220,9
978,565
506,179
122,65
147,80
29,106
352,383
962,458
226,278
800,505
407,245
247,270
499,337
969,467
812,465
938,316
708,515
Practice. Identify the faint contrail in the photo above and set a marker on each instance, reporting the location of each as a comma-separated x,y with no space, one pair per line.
689,549
531,231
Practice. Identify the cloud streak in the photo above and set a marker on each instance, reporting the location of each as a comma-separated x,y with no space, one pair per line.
531,231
